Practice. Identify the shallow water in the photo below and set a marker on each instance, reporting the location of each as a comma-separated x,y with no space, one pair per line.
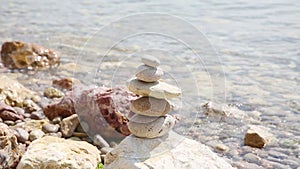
257,61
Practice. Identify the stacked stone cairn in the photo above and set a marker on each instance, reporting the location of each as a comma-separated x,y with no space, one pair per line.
151,119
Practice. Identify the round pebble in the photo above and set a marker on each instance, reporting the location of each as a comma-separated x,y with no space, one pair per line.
150,106
56,120
36,134
50,128
150,127
149,74
21,134
37,115
100,141
150,61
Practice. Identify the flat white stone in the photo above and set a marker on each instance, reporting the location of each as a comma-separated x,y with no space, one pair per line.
150,61
166,152
158,89
149,74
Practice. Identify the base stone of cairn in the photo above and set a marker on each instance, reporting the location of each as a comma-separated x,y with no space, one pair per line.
166,152
152,143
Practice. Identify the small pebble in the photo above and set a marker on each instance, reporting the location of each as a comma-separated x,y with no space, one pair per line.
149,74
9,122
21,134
37,115
100,141
221,147
252,158
36,134
150,61
50,128
52,92
56,120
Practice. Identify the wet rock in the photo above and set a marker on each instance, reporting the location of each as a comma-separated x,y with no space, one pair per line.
10,151
148,74
36,134
169,151
52,92
252,158
68,125
156,89
21,134
50,128
257,136
37,115
14,94
9,113
65,83
61,153
21,55
221,147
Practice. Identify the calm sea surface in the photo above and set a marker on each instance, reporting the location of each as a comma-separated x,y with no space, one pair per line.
253,60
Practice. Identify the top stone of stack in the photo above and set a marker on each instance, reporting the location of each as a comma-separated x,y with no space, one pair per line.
150,61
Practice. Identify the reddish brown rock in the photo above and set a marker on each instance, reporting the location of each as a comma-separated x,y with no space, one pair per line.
8,113
64,108
10,151
105,109
101,109
65,83
21,55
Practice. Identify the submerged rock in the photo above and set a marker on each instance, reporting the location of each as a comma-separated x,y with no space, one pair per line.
21,55
56,153
257,136
10,151
169,151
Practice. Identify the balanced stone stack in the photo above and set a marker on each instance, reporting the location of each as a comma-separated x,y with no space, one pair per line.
151,119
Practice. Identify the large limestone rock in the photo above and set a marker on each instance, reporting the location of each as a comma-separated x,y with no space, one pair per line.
10,151
168,151
57,153
15,94
21,55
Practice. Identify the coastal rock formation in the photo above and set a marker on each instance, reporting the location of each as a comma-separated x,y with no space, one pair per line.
21,55
168,151
56,153
10,151
151,119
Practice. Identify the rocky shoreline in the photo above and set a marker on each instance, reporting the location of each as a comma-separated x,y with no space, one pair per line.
40,127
